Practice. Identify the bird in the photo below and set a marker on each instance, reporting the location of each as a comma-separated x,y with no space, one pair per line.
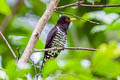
57,37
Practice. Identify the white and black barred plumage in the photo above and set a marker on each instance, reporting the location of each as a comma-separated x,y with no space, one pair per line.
56,38
58,41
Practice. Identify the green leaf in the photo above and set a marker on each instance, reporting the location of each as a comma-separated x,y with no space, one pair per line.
66,77
11,70
104,63
4,8
39,45
38,7
17,71
4,48
114,26
50,67
113,9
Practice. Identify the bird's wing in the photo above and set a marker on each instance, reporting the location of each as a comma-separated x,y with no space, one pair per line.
50,37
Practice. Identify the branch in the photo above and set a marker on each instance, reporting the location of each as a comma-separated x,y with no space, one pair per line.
69,5
35,70
86,5
7,19
77,17
10,48
18,50
62,48
37,31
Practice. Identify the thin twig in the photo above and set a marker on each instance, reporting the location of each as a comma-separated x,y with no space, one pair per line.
35,70
62,48
98,6
10,48
77,17
68,5
18,50
86,5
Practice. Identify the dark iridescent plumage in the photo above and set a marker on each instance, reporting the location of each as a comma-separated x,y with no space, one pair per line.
56,38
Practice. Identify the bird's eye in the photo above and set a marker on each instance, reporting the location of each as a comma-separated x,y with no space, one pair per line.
68,20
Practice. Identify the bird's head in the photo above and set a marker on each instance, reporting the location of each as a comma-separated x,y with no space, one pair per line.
64,21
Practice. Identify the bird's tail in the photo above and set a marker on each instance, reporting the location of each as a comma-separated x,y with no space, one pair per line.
47,56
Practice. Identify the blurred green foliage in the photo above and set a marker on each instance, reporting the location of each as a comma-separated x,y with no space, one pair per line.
102,64
4,8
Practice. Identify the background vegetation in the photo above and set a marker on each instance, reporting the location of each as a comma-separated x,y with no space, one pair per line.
102,64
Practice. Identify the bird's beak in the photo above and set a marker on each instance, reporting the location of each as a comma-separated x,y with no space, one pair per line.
71,19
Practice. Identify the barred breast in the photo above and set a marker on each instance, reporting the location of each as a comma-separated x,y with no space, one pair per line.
58,41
